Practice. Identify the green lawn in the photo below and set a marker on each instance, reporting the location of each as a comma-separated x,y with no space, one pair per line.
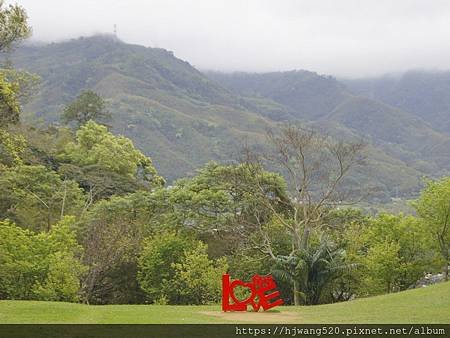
426,305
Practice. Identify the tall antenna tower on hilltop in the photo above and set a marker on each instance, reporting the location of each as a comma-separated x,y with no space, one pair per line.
115,30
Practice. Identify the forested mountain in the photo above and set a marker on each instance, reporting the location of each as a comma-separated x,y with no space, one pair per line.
183,118
425,94
307,94
171,110
329,104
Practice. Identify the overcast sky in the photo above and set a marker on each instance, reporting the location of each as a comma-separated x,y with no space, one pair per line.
340,37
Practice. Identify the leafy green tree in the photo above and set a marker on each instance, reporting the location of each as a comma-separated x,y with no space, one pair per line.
156,271
13,25
17,269
433,207
383,265
64,269
13,29
99,183
62,282
88,106
16,88
197,279
35,197
44,266
96,146
222,200
394,251
415,245
9,102
12,148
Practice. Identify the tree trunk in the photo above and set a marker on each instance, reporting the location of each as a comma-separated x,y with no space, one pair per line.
446,258
444,251
296,294
305,238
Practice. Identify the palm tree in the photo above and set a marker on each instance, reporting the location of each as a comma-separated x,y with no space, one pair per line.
311,270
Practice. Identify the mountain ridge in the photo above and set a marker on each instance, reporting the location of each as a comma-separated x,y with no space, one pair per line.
423,93
183,118
399,133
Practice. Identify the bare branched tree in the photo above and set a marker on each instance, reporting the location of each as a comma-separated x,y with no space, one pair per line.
107,245
315,167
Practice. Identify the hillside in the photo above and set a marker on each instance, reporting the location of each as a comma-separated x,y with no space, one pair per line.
399,134
330,105
172,112
306,94
183,119
423,93
426,305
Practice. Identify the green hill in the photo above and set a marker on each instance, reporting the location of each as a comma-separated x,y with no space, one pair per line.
423,93
183,119
426,305
399,134
306,95
331,106
171,110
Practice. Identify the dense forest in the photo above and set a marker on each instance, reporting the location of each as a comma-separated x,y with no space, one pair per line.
88,215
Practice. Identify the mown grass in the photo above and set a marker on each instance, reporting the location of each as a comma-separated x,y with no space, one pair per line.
426,305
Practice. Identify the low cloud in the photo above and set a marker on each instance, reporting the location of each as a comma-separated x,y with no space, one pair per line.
350,38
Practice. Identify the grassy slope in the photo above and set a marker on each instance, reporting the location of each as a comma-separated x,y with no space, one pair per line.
427,305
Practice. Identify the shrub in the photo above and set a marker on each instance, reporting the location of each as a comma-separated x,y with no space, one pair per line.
198,279
44,266
176,269
156,273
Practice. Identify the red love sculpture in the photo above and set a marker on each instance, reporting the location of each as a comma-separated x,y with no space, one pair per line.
259,287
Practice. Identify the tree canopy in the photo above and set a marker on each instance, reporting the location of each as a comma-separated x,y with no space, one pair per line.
95,145
9,103
86,107
13,25
433,207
